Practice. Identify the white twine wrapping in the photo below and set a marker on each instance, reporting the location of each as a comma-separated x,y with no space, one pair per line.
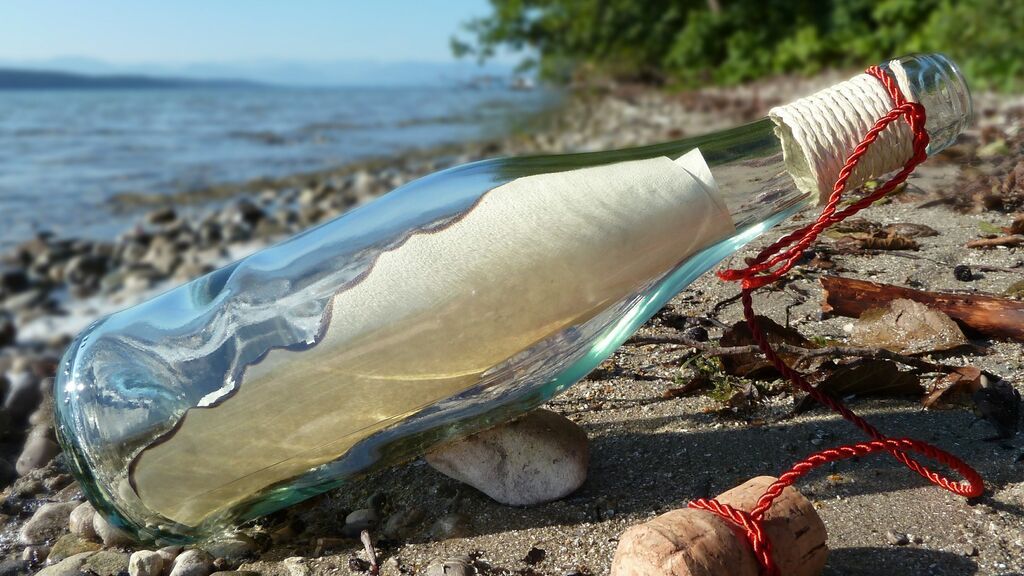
820,131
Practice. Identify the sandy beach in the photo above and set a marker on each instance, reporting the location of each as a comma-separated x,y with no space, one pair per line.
651,450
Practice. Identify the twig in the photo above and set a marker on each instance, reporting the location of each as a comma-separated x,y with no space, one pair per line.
364,537
803,354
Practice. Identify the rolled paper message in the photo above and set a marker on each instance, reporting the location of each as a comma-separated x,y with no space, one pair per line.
691,542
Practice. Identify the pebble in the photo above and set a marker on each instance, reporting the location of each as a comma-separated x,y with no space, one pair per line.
233,548
538,458
453,525
145,563
12,566
8,331
162,216
38,452
23,394
963,273
451,567
67,567
47,522
110,535
895,538
192,563
80,522
36,554
401,522
106,563
359,520
169,553
70,544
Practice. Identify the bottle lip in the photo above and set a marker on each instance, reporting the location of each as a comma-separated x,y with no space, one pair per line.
937,82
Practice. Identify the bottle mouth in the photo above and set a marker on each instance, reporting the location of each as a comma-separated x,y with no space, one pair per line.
937,83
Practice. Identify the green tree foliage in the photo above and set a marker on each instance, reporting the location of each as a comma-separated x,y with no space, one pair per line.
728,41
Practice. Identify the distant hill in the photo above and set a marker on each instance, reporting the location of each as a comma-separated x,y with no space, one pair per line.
19,79
279,72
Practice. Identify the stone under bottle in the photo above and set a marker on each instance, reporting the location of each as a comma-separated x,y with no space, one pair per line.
451,304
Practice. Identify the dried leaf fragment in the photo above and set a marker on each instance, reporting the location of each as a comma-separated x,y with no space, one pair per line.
754,365
953,388
906,327
868,378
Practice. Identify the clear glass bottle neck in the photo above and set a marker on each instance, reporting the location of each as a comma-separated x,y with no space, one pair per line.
753,176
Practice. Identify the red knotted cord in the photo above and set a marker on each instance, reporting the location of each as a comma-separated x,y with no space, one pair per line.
775,261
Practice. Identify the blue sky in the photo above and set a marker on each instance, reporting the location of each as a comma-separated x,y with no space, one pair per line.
189,31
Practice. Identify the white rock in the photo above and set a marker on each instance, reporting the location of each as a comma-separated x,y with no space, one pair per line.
192,563
234,547
145,563
47,523
38,452
540,457
110,535
80,522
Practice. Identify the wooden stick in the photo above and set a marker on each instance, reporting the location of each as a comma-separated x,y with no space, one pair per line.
803,354
990,315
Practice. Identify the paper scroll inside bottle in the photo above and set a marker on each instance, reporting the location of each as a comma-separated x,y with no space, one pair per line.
529,259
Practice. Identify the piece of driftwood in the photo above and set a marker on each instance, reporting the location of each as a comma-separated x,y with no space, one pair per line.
1008,241
989,315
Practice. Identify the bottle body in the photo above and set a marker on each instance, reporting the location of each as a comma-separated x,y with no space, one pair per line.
451,304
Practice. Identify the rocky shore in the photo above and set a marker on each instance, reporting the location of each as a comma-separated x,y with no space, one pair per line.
650,452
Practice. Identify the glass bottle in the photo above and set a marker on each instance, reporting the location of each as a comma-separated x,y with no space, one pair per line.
451,304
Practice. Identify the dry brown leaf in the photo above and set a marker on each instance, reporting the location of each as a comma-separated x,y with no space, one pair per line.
699,382
754,365
910,230
1017,227
953,388
1008,241
866,378
906,327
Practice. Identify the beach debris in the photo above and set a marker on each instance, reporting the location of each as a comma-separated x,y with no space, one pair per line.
691,542
906,327
1009,241
874,378
910,230
1015,290
538,458
754,365
953,388
863,234
963,273
894,538
986,314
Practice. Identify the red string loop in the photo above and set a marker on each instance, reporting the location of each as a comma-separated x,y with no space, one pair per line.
771,264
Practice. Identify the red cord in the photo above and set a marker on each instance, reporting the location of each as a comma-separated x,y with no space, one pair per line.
774,262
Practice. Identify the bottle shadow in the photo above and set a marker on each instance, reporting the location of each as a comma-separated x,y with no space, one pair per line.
901,561
641,467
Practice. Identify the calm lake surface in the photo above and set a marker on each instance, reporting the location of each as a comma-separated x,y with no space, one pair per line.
65,154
